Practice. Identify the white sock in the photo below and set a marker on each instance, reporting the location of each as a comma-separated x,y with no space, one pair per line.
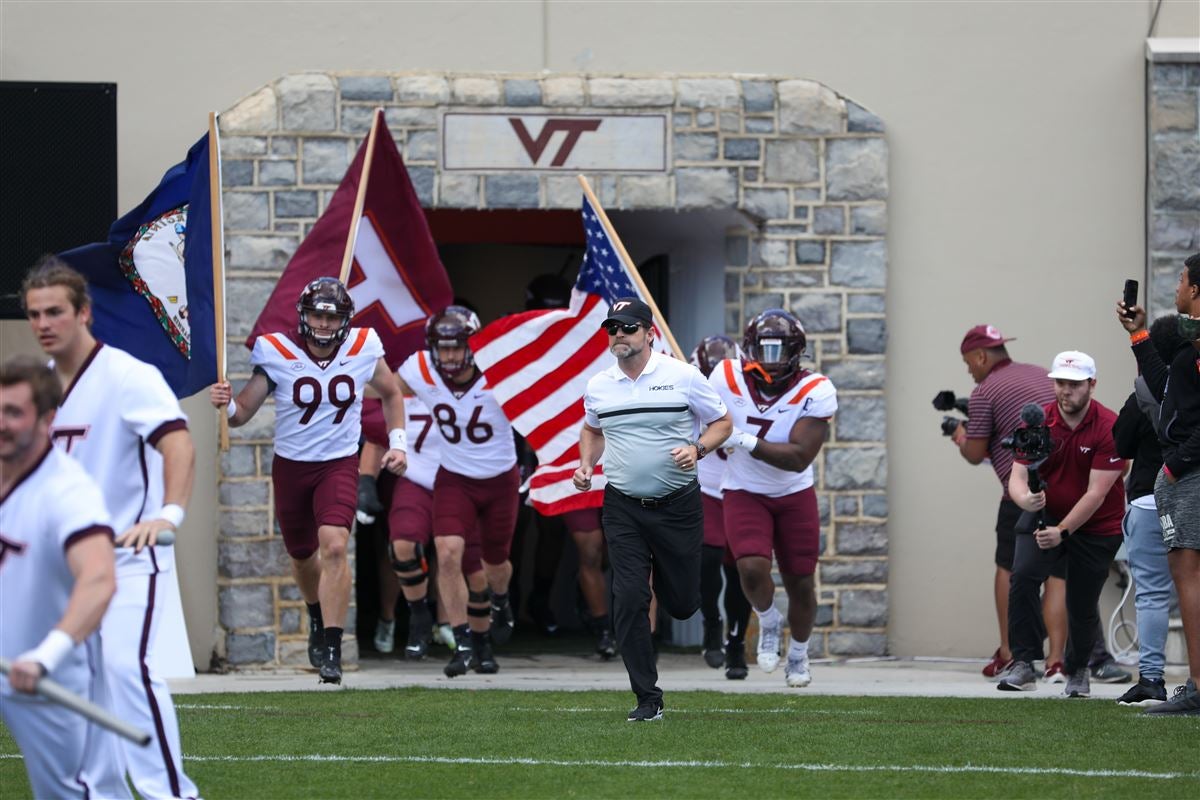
798,651
770,616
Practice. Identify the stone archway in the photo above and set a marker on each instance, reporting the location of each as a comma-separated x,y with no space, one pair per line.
807,165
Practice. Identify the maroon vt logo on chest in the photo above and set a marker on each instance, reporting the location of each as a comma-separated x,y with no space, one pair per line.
573,128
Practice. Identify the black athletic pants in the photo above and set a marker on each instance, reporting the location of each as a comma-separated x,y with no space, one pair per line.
664,540
1087,558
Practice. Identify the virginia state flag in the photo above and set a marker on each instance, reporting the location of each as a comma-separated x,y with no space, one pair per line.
152,281
396,278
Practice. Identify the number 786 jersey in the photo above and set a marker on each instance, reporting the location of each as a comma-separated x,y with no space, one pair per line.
477,439
318,410
771,420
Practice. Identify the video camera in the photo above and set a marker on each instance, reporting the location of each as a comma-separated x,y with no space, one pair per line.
1031,443
945,400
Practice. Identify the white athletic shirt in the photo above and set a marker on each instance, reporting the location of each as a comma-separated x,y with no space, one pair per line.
424,443
45,513
644,419
812,396
318,410
477,439
111,417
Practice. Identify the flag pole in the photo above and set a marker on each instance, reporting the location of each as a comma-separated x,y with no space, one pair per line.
629,265
361,198
218,260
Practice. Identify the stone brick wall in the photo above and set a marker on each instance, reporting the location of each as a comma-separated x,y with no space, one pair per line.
808,166
1173,156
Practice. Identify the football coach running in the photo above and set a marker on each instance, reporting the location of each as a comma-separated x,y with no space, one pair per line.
644,414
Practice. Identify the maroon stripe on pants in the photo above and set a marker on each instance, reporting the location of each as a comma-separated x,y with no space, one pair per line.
159,728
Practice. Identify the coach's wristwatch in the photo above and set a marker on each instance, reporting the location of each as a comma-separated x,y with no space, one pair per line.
701,450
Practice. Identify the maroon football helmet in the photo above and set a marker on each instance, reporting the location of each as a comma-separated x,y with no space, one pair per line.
711,351
452,328
774,342
330,296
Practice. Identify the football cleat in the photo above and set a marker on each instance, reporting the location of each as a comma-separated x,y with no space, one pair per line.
768,643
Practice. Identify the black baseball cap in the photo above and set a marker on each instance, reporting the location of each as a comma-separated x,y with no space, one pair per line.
630,311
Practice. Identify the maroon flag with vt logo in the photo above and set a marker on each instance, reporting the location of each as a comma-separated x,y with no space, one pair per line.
396,279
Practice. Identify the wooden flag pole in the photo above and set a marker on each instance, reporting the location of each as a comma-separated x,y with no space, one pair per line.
361,198
216,224
629,265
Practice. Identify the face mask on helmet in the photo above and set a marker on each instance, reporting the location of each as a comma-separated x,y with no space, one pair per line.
329,296
774,343
452,329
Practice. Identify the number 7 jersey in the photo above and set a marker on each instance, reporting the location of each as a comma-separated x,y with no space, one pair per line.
770,419
318,410
477,439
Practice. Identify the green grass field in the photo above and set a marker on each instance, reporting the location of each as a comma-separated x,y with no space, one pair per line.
411,743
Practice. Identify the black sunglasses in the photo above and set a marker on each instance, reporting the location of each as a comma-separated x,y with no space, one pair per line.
628,328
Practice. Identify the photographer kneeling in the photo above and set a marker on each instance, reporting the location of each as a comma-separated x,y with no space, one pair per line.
1083,501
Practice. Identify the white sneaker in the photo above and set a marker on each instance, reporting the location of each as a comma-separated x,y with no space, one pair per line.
797,673
445,634
385,636
768,644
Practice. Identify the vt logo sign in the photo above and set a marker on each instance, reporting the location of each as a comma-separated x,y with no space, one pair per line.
513,141
573,128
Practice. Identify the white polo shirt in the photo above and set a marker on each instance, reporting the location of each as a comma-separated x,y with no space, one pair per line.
643,420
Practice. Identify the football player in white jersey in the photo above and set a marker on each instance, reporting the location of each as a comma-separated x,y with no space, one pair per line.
121,421
317,378
475,492
781,418
57,576
715,556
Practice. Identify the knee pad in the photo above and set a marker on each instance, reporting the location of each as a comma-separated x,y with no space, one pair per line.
479,597
415,564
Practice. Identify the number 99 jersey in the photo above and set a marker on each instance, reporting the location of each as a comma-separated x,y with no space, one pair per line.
318,410
476,437
770,419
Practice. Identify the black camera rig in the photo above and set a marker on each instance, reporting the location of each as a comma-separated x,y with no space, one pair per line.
946,400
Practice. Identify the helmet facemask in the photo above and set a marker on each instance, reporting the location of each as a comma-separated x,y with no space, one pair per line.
329,296
774,344
452,328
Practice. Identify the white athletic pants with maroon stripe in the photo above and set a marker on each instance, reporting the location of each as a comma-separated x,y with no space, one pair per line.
66,756
140,697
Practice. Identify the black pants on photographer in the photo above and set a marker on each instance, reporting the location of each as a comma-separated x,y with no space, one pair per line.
1088,558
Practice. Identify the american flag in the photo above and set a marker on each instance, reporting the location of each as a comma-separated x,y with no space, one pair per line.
538,364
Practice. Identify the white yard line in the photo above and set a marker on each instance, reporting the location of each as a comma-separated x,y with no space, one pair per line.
800,767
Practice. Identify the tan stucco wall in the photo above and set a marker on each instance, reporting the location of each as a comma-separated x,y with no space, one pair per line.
1016,137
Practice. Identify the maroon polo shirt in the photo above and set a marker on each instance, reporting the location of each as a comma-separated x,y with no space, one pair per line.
1076,453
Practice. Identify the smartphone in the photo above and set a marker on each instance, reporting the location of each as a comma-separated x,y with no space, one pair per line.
1130,299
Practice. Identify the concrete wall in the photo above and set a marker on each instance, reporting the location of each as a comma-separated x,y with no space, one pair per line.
1017,145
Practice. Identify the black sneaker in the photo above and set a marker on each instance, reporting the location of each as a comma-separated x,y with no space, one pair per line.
483,660
1146,692
1184,702
460,662
646,712
420,632
714,632
735,662
331,666
606,646
1110,672
502,621
316,642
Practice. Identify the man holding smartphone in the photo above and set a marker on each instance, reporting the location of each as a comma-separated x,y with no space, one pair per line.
1177,488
